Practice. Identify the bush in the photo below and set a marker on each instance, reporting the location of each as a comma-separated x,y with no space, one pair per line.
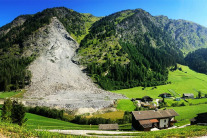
18,113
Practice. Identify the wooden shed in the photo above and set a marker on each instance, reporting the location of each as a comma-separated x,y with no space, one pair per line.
199,119
108,126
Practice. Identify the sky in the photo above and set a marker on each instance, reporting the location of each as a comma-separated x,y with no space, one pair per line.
191,10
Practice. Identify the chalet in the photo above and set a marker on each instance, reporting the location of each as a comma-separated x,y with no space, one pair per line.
165,95
146,120
188,96
108,126
199,119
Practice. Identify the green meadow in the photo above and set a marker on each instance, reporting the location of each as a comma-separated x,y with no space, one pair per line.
4,95
125,105
185,81
188,112
40,122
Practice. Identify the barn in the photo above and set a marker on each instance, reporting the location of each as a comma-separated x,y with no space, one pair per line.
188,96
146,120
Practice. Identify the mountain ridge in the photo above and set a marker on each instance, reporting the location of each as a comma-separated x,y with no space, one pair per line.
125,49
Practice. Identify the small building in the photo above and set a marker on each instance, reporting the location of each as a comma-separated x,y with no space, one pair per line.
108,126
188,96
199,119
165,95
146,120
177,99
146,99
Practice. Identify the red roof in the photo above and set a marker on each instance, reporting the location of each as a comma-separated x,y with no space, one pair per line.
154,121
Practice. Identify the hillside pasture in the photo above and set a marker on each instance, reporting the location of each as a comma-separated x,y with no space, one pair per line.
188,112
185,81
125,105
4,95
40,122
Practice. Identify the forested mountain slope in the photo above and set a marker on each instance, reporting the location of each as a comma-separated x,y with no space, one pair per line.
128,49
197,60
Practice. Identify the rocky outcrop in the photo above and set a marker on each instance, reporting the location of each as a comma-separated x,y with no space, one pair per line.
56,80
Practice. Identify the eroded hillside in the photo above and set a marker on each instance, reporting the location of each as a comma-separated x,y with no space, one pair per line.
56,80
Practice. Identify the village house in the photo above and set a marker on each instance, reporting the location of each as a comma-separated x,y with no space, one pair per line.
165,95
200,119
188,96
108,127
145,99
146,120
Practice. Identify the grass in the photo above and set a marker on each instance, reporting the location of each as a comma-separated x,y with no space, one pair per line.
189,102
188,112
125,105
40,122
112,115
15,131
191,131
4,95
184,81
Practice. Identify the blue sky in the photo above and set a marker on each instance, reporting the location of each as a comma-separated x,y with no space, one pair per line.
192,10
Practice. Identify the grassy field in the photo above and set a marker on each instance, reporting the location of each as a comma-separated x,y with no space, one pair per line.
4,95
191,131
40,122
184,81
125,105
111,115
188,102
188,112
15,131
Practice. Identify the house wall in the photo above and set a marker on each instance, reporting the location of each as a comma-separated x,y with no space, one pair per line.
164,122
135,124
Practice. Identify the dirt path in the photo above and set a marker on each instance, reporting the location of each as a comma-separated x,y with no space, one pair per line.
2,136
86,132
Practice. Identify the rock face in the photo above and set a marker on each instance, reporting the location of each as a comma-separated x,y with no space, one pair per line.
56,80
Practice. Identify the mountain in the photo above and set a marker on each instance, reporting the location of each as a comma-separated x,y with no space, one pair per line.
188,36
128,49
197,60
52,54
132,48
39,54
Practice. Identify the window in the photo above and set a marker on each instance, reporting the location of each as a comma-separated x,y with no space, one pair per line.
164,121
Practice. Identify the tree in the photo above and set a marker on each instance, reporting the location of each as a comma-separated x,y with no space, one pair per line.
6,111
199,94
18,113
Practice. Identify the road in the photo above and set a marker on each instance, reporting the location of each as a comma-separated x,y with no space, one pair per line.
85,132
